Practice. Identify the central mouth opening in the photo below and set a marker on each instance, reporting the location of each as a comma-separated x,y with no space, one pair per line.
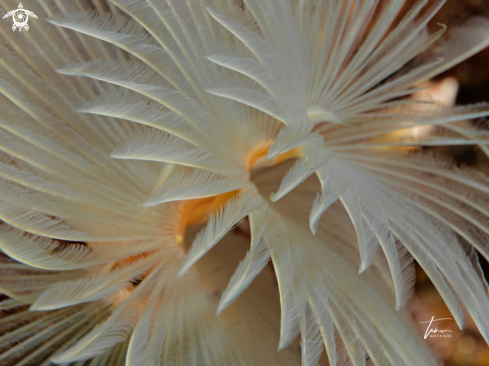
198,211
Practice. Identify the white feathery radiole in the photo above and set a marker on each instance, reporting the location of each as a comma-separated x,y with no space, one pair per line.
137,145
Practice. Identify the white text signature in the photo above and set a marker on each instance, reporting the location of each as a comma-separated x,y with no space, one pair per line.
434,330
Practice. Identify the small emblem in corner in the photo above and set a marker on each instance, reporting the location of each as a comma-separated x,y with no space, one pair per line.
20,17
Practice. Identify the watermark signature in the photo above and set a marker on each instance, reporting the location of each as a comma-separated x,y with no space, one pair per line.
433,332
20,18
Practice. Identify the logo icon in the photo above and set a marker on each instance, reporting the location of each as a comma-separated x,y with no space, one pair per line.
20,17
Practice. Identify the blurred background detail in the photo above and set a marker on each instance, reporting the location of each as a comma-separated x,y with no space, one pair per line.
463,348
465,83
